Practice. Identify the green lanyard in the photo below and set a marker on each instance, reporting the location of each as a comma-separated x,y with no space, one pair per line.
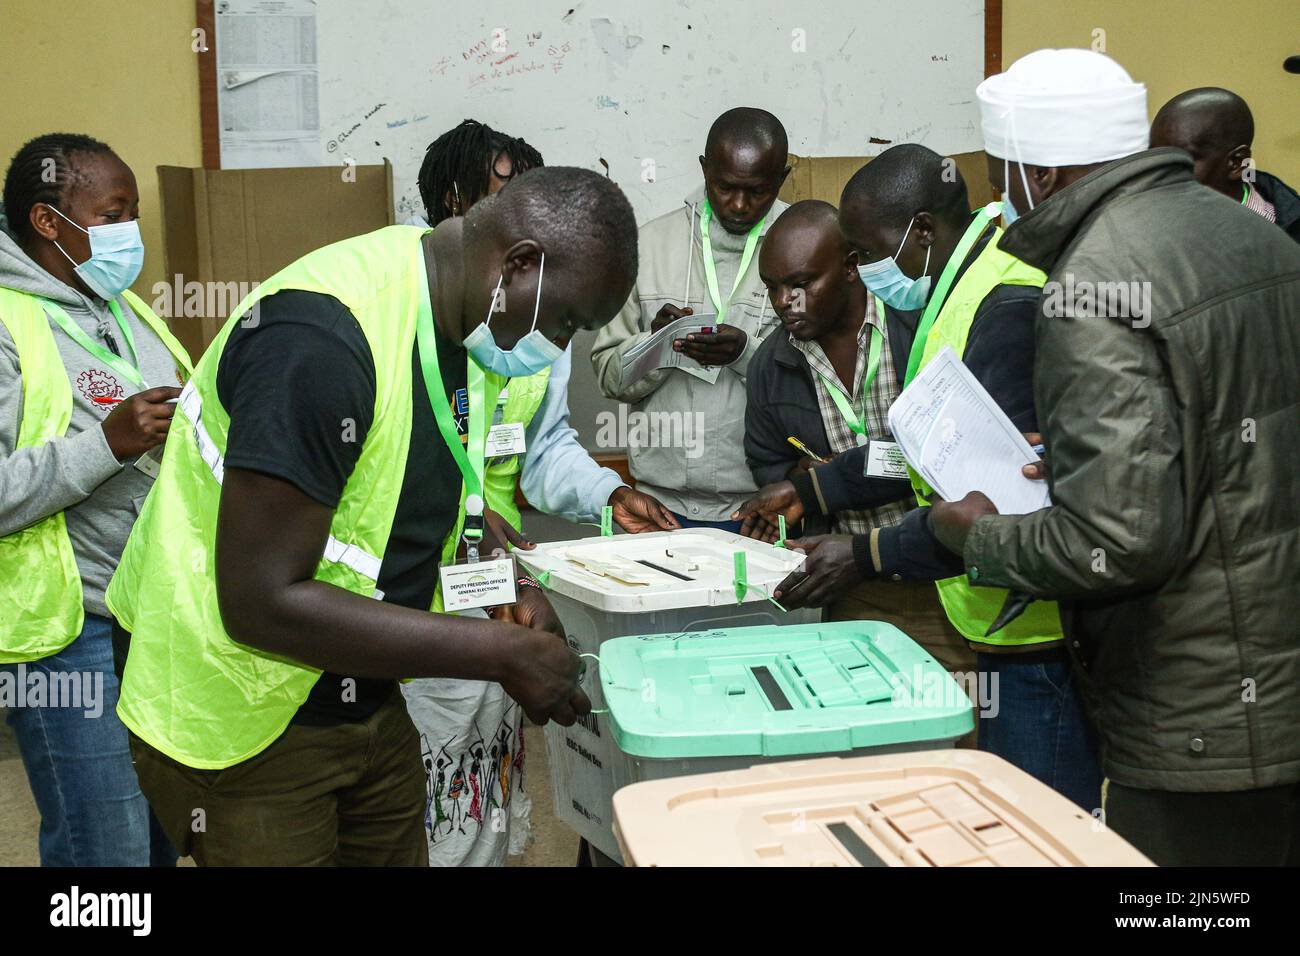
710,271
468,459
1245,194
940,291
129,369
859,425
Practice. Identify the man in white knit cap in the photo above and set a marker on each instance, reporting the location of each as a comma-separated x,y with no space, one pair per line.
1167,382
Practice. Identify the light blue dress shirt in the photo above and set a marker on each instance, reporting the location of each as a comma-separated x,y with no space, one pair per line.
559,476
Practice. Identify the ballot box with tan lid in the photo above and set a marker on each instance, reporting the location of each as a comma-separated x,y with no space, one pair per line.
937,808
619,585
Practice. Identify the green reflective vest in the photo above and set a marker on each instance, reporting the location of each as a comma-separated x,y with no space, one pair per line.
517,402
972,609
521,400
40,587
189,689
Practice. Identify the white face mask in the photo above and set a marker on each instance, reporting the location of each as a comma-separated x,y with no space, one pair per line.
531,354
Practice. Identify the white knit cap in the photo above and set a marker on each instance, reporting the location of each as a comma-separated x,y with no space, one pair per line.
1063,108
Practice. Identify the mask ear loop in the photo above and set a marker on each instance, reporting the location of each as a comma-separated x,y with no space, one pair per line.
56,242
541,271
907,232
1015,142
495,298
926,268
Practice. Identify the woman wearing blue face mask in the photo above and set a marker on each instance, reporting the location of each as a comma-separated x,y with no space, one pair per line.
86,374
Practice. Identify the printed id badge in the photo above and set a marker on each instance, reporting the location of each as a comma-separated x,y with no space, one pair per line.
479,585
505,440
150,463
885,460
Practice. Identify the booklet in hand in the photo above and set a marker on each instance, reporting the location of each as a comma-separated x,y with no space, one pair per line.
657,351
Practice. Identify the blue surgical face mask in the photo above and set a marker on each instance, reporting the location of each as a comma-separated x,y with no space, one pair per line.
531,354
885,279
1009,211
116,257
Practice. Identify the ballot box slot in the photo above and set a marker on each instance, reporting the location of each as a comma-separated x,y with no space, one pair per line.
771,689
855,845
658,567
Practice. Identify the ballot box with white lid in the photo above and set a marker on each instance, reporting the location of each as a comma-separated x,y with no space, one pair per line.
937,808
654,583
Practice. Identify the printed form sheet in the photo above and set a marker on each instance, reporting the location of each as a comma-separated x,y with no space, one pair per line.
959,440
268,83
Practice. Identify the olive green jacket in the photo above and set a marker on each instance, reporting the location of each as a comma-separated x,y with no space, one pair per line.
1172,422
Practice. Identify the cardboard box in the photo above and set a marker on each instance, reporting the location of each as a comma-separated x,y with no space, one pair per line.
225,230
824,177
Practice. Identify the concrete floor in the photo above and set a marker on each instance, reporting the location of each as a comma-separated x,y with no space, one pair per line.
553,843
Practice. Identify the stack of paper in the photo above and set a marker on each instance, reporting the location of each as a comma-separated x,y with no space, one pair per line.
657,351
956,437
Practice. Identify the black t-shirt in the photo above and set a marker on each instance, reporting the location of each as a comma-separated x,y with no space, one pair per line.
299,386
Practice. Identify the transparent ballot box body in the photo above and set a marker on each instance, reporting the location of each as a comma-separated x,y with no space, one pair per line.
660,582
733,697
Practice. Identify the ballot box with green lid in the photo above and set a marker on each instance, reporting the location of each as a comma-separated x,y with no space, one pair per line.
619,585
733,697
936,808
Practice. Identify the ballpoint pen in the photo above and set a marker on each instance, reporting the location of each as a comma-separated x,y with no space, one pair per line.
806,450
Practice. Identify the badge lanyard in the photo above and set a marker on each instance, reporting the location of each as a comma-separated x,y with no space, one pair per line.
940,293
859,425
469,458
129,369
710,271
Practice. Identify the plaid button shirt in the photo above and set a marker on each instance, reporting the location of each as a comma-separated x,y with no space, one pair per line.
1258,204
884,390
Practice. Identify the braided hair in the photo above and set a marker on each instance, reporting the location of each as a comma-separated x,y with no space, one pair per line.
460,162
44,171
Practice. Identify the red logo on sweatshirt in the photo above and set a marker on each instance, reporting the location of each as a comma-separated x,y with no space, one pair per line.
100,387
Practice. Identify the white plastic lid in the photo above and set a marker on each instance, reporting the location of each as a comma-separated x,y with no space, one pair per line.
662,570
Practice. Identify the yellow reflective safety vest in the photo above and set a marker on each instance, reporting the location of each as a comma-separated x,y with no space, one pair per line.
519,403
972,609
189,690
40,588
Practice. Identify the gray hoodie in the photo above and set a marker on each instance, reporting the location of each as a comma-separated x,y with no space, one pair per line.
76,474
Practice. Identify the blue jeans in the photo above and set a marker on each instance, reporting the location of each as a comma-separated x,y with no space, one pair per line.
686,522
1040,725
78,762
